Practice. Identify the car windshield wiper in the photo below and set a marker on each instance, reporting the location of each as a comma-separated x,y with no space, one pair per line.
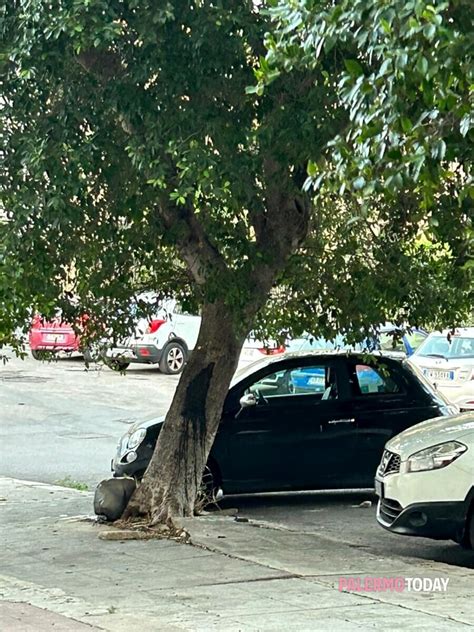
435,355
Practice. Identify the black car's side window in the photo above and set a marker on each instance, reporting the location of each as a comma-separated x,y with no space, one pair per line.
319,381
370,380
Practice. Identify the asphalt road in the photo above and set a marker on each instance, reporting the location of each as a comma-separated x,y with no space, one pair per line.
60,420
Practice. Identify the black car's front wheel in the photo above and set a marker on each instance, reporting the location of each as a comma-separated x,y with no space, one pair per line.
209,491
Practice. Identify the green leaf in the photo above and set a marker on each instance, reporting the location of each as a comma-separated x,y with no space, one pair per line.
394,182
429,31
406,124
312,168
386,26
385,67
353,67
466,123
422,65
251,89
439,150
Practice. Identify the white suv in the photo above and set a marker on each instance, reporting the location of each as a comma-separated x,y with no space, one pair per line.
425,481
166,339
447,360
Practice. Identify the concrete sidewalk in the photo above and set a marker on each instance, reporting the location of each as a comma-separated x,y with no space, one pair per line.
57,574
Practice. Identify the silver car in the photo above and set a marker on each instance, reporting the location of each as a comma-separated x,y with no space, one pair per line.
447,359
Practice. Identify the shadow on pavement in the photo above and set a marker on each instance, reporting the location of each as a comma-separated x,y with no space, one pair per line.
345,516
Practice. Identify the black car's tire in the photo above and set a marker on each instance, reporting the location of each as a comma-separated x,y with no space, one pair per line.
116,365
173,358
209,483
208,493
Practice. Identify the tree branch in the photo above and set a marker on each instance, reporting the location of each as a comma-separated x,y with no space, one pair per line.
287,213
194,245
104,65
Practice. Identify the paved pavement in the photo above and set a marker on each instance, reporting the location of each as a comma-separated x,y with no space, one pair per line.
343,516
57,574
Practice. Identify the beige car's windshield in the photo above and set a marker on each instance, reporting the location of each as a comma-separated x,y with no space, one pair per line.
440,347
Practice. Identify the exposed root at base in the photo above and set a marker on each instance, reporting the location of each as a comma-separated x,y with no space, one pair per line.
141,529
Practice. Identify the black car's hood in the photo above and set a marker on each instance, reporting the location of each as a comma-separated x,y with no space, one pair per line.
147,423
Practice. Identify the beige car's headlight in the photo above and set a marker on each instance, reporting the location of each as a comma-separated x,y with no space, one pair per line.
435,457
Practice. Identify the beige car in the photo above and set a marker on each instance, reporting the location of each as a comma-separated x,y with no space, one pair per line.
447,360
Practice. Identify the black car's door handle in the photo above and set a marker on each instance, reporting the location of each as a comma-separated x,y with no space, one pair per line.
332,422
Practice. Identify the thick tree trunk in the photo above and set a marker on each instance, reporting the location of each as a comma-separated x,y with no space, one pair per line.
174,474
173,477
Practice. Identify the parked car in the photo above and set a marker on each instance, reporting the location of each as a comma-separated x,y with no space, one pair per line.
273,436
388,338
447,360
254,350
166,339
52,336
425,480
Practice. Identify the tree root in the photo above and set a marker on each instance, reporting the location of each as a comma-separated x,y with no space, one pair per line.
140,529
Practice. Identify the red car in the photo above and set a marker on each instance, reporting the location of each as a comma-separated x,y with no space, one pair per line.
54,335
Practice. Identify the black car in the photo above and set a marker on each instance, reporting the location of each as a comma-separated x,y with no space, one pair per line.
303,421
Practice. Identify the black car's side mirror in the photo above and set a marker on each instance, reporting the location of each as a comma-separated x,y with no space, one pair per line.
248,400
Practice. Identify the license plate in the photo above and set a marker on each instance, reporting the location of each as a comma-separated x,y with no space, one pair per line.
55,337
440,375
315,380
379,488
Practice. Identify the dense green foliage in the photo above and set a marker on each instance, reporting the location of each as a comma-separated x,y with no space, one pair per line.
133,129
403,73
405,78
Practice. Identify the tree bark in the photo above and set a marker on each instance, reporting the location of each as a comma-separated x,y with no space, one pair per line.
172,479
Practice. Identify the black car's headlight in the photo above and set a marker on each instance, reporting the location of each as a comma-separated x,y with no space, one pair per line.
136,438
435,457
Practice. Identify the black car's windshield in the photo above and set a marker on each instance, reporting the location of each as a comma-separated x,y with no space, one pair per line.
440,347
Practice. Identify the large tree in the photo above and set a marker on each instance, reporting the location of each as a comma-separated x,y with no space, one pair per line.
153,140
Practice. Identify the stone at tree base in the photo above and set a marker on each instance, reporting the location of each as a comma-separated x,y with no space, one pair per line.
112,495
